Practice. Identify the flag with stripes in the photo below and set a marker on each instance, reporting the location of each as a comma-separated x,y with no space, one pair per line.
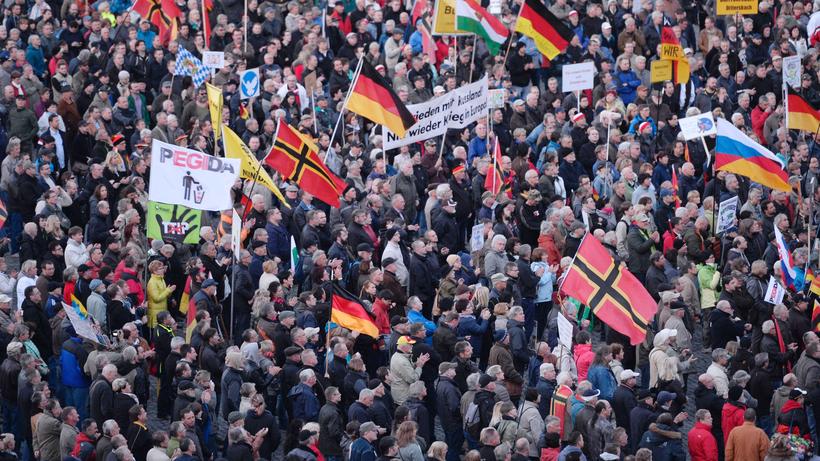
348,312
613,293
189,65
472,18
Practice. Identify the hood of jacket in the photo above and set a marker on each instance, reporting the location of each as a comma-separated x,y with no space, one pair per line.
790,405
664,431
581,349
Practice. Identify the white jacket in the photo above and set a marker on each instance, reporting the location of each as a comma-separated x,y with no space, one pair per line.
75,254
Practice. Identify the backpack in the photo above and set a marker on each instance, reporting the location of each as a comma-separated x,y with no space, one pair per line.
472,421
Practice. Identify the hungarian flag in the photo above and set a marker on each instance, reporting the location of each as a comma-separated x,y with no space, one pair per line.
296,158
372,97
671,50
615,295
800,115
472,18
550,34
164,14
347,311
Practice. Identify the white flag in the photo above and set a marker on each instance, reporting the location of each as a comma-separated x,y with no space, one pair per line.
181,176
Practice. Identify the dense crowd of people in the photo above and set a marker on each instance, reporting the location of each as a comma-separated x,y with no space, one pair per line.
472,360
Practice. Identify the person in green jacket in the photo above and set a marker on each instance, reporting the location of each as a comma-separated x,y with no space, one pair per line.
709,281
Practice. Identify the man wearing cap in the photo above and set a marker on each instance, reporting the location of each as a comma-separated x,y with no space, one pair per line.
362,448
448,408
23,123
793,416
96,304
404,370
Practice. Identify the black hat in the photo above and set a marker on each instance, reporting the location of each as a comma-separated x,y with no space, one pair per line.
364,247
292,350
185,386
373,383
389,233
305,435
397,320
484,380
388,261
644,393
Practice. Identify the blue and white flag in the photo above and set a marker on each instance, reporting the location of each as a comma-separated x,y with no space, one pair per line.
189,65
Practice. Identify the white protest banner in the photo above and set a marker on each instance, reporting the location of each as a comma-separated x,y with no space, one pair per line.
456,109
577,77
792,71
774,292
236,234
726,215
564,331
82,325
697,125
477,238
213,59
181,176
249,84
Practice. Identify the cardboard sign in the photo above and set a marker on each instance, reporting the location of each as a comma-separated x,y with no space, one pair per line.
577,77
249,84
727,212
736,6
792,70
698,125
774,292
213,59
496,98
660,71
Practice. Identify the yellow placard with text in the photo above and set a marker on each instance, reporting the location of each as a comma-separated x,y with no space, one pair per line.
660,71
736,6
444,18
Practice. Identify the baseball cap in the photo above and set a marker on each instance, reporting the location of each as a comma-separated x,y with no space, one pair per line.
405,340
484,380
209,283
795,393
95,284
664,396
286,315
628,374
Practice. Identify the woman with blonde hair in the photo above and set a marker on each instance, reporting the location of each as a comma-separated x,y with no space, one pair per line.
409,447
437,451
158,291
269,270
260,298
669,380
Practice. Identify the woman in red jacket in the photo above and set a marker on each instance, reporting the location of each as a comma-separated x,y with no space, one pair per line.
732,415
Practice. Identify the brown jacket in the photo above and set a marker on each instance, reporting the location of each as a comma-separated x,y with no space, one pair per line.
747,443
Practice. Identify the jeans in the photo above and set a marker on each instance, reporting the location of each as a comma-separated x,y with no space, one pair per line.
766,423
529,316
11,418
78,397
454,439
541,311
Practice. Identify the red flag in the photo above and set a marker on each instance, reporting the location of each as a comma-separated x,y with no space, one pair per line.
428,44
164,14
419,8
207,6
613,293
675,186
296,158
247,204
494,181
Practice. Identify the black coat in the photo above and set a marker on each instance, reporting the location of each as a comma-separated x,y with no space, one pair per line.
122,403
240,452
448,404
723,328
139,441
35,317
255,422
244,288
623,401
422,280
101,399
332,422
639,420
358,412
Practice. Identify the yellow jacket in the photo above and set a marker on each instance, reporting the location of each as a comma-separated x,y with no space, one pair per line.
158,293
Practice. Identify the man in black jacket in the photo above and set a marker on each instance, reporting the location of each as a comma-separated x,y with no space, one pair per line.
101,395
244,288
623,400
448,408
422,279
332,422
9,372
528,284
259,417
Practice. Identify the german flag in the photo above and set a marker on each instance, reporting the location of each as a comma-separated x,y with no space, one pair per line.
296,158
815,286
675,187
815,316
348,312
800,114
612,292
247,204
187,306
373,98
551,36
494,182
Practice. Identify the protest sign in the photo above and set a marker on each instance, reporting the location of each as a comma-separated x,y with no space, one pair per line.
577,77
213,59
444,18
732,7
726,215
181,176
698,125
774,292
455,109
175,223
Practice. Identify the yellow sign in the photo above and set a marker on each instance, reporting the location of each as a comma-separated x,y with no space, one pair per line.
215,107
736,6
250,168
660,71
444,18
673,52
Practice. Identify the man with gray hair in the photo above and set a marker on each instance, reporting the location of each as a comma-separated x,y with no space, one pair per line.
304,400
101,395
717,370
496,258
358,410
110,429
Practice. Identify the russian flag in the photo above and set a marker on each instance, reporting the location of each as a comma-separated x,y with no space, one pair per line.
737,153
788,274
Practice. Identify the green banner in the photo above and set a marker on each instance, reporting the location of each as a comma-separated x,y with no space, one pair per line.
173,222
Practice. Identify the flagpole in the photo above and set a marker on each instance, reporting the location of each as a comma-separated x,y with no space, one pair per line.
512,34
563,279
246,28
472,59
344,106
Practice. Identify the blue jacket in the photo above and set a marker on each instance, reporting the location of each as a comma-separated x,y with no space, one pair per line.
416,42
665,443
429,326
474,327
660,174
305,403
362,450
72,360
476,148
628,84
570,449
602,378
633,126
544,289
278,242
545,390
37,59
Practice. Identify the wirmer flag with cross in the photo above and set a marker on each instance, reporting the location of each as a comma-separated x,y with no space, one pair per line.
615,295
296,158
